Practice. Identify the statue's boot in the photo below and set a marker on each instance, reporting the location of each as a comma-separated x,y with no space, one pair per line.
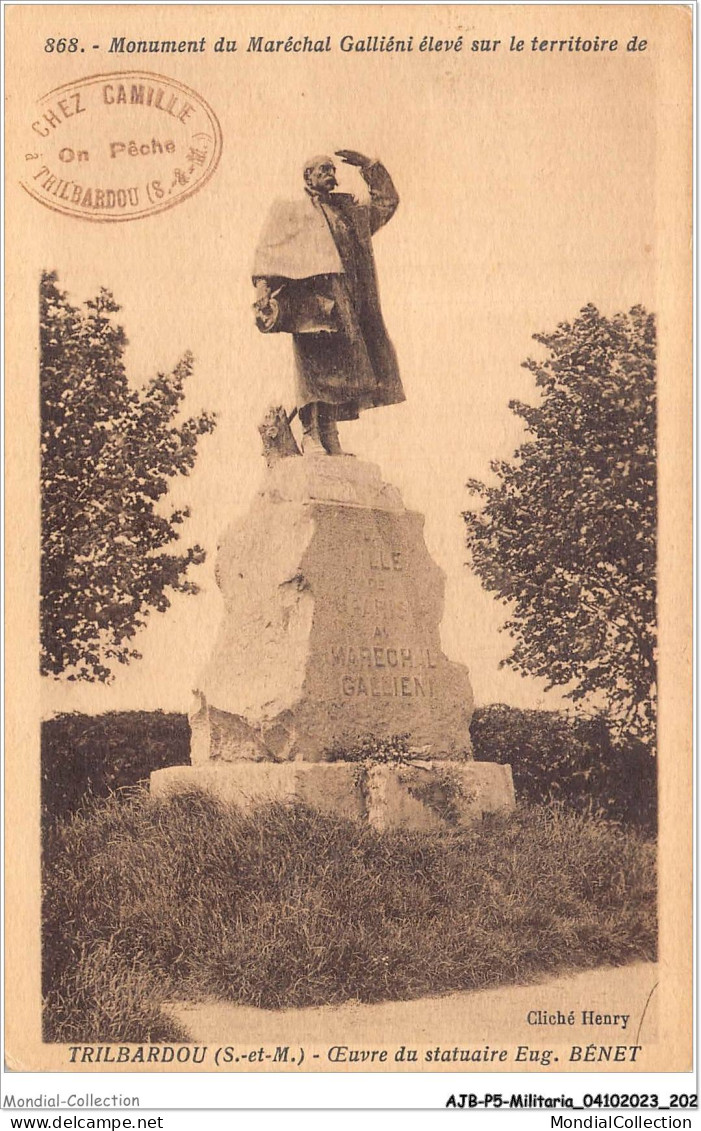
312,442
328,429
329,438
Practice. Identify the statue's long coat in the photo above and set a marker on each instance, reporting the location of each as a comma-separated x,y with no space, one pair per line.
317,253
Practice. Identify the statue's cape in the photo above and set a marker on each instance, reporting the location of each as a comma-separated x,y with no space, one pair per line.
296,241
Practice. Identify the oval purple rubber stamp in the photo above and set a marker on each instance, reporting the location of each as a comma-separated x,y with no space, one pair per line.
120,146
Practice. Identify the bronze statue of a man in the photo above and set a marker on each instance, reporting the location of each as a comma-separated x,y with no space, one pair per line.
315,278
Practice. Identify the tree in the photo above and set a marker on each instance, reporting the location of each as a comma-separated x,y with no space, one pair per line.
108,451
567,538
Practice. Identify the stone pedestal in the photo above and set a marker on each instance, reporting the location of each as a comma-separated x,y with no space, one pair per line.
330,634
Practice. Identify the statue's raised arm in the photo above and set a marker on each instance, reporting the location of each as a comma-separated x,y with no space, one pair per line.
384,197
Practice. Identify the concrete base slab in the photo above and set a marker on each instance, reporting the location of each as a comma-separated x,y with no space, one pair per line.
422,796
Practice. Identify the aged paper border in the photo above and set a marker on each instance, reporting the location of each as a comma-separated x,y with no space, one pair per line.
22,795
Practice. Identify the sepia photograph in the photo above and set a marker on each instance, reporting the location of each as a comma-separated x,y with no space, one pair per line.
349,539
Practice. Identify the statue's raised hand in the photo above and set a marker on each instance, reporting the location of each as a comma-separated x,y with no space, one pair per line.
352,157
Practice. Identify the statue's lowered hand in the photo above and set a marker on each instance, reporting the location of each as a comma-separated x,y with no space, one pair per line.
352,157
266,311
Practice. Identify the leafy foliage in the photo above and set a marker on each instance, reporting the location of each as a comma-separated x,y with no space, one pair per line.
108,452
372,749
95,755
570,762
567,538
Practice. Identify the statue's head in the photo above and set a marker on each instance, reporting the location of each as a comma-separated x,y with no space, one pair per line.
320,174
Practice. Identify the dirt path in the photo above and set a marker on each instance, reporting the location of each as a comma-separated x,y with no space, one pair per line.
504,1018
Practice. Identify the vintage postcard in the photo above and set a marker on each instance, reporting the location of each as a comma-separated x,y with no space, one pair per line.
348,476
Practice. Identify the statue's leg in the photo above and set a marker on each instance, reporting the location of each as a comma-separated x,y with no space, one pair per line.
312,444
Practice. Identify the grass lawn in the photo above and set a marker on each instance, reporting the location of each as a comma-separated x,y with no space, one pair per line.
148,899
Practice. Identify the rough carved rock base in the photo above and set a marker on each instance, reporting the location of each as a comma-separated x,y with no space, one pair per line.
330,632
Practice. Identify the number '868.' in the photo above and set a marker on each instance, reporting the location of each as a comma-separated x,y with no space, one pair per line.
61,45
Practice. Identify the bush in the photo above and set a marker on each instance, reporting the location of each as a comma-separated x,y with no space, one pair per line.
573,761
554,758
97,754
147,899
369,749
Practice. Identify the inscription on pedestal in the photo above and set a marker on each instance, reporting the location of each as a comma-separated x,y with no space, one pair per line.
387,682
380,570
382,557
404,686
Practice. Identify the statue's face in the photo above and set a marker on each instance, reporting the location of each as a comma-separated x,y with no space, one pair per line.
320,174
